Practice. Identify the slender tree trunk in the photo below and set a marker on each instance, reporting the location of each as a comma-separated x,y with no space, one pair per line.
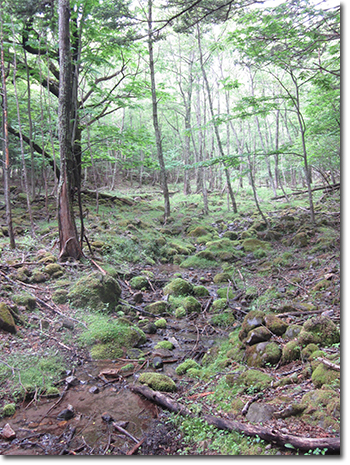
303,143
155,115
25,176
210,102
6,163
30,128
69,243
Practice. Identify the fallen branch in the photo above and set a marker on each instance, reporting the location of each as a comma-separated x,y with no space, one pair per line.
329,364
271,435
136,447
329,187
123,431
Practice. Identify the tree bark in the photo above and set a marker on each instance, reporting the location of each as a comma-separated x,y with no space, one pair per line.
69,244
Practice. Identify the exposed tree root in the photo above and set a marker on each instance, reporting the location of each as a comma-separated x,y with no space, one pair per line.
270,435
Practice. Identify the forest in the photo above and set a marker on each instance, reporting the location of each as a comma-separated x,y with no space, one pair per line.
170,227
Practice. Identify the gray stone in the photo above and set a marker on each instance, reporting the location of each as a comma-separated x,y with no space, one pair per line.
259,412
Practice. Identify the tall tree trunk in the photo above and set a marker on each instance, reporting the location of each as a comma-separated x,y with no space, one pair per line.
6,164
163,173
210,101
25,176
69,243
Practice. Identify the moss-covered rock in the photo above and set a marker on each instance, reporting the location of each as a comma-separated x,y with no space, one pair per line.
161,323
7,322
263,354
191,305
60,296
291,351
221,278
252,320
256,335
139,282
322,408
157,308
224,319
219,304
178,287
180,312
324,375
8,410
186,365
198,231
26,300
252,245
54,270
107,350
322,329
292,331
275,324
200,291
97,291
254,380
164,345
308,351
39,277
158,381
300,239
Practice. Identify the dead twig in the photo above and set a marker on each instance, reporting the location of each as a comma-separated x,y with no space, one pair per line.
329,364
123,431
295,284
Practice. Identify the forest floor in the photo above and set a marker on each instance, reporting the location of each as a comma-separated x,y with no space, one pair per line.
94,409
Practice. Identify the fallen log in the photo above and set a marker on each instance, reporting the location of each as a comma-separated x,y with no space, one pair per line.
332,444
320,188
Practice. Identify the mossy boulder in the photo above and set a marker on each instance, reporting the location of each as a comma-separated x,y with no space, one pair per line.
300,239
254,380
180,312
232,235
186,365
256,335
252,245
322,408
200,291
275,324
157,308
7,322
292,331
319,330
263,354
97,291
54,270
291,351
158,381
164,345
39,277
323,375
219,304
223,320
198,231
25,300
107,350
308,351
139,282
178,287
8,410
221,278
191,305
60,296
161,323
252,320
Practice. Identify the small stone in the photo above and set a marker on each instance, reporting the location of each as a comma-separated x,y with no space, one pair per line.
157,362
138,297
72,380
66,414
67,324
7,432
107,417
94,390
